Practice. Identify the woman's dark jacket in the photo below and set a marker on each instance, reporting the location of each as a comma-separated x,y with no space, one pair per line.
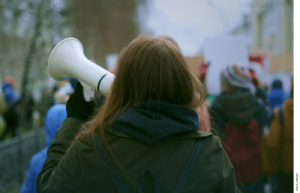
151,135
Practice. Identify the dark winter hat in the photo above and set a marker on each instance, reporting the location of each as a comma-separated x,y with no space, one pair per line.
277,84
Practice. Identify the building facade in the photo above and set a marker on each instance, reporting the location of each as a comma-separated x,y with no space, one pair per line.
269,26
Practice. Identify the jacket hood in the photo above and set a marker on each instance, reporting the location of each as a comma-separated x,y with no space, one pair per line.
152,120
277,97
238,107
54,118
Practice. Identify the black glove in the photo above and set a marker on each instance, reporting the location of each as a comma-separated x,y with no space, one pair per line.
77,107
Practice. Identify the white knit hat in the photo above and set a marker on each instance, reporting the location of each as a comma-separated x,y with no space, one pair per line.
238,76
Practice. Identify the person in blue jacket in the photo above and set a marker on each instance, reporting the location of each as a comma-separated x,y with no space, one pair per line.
11,99
54,118
277,96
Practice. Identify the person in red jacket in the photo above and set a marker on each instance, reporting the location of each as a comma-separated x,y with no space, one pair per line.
239,116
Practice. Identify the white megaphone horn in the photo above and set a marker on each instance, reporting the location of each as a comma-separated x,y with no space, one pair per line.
67,60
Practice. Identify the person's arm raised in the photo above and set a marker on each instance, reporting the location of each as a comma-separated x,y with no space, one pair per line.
56,171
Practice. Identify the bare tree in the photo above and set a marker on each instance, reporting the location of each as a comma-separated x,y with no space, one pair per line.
103,26
25,91
12,46
46,27
30,28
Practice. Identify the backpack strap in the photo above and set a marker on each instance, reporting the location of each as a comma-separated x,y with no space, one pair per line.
181,182
111,170
186,173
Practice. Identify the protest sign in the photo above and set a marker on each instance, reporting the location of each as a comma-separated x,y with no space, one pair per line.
194,63
221,52
282,63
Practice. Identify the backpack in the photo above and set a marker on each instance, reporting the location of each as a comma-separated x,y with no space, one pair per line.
242,145
181,182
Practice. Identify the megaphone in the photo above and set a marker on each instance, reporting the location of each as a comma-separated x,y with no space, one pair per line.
67,60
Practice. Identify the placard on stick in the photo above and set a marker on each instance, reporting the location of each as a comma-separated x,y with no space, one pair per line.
282,63
194,63
220,52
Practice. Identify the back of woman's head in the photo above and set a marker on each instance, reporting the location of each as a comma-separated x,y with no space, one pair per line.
168,38
151,67
148,68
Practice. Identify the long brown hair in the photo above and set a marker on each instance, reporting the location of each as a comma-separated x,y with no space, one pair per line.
171,40
149,67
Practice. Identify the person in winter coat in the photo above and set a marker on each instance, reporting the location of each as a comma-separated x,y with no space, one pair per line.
277,96
145,136
10,114
238,116
280,141
54,118
2,103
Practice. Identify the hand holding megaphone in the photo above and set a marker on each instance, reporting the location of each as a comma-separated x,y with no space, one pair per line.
67,60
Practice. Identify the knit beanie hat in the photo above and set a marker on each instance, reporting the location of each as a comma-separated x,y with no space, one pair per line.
277,84
234,76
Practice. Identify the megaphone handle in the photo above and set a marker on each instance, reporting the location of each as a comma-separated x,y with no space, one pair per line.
86,95
88,92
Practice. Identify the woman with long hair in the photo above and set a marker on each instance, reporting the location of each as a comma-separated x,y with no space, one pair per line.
146,135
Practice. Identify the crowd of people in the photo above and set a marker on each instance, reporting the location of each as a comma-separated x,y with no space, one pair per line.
11,100
157,130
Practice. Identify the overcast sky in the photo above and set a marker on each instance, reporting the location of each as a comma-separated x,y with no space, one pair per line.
189,22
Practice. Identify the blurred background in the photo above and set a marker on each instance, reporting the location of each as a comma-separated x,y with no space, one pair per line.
254,33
